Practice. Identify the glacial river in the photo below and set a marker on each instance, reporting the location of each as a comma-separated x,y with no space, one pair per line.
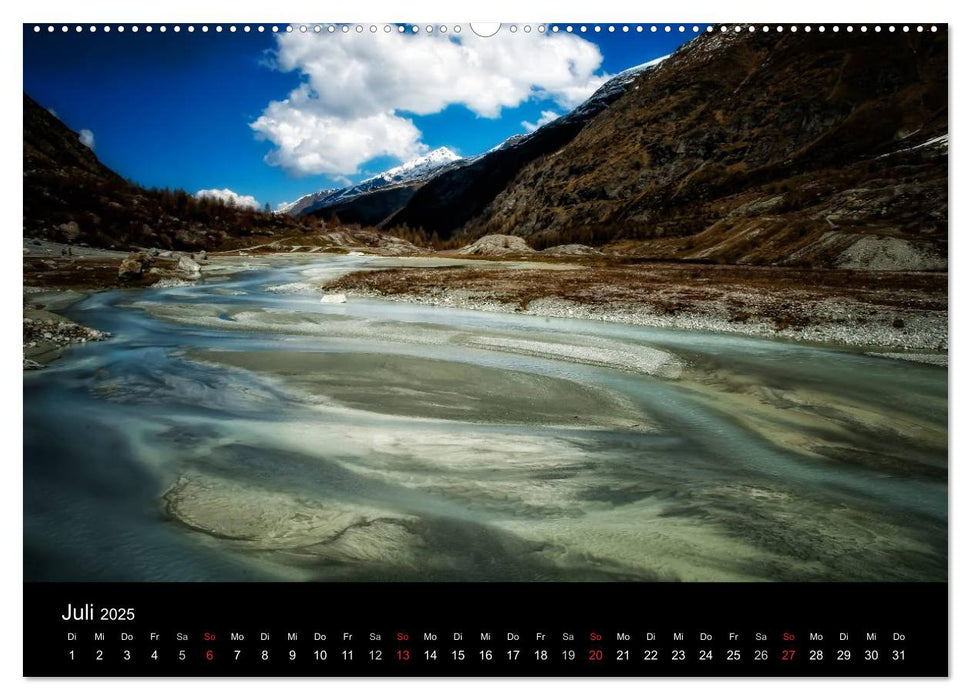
240,429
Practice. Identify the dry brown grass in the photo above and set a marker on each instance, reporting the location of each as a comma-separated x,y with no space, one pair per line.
87,273
665,283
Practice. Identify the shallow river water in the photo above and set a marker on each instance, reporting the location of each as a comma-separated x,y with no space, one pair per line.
240,429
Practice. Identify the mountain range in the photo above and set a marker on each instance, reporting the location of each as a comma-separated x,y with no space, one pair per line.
448,190
803,149
797,149
414,171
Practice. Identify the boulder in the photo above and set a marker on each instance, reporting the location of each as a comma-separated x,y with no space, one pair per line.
71,230
134,266
189,267
497,245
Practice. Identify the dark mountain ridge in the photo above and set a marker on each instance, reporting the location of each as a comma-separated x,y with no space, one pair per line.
402,179
797,149
371,209
71,197
444,204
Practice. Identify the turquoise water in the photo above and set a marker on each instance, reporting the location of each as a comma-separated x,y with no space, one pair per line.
231,432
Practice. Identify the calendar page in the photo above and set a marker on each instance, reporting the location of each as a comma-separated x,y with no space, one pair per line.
515,349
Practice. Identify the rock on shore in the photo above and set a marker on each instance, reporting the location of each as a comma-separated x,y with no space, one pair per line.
134,266
494,245
189,267
46,334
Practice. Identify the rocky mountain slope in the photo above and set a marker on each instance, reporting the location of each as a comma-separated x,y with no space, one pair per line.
444,204
71,197
370,209
309,201
452,189
801,149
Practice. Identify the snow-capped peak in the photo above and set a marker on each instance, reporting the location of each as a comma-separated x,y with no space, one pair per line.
298,205
430,164
417,167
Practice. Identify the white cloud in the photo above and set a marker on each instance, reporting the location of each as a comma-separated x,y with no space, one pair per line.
243,201
310,142
86,136
350,106
546,117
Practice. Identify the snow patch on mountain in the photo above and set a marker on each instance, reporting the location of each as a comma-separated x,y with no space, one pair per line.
308,200
425,167
415,170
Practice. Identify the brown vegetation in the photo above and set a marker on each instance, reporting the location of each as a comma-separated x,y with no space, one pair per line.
87,273
71,197
667,288
751,149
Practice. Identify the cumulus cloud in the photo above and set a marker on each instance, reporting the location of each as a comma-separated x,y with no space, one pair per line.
546,117
309,142
86,136
358,90
243,201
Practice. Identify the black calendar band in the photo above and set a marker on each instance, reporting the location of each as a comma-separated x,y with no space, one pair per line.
478,629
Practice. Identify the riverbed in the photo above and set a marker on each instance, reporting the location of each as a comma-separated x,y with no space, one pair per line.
240,429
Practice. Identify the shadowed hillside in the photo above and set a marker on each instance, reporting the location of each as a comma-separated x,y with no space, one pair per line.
795,149
70,196
448,201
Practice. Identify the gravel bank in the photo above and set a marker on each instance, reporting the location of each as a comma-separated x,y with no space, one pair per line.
903,332
46,334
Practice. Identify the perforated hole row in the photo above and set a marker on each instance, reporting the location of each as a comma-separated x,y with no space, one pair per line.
512,28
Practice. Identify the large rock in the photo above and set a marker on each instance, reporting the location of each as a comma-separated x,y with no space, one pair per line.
134,266
497,245
189,267
885,253
71,230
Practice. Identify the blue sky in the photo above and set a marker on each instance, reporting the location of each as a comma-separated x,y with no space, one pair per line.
204,110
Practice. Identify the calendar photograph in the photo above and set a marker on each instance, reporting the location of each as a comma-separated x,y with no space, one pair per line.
517,303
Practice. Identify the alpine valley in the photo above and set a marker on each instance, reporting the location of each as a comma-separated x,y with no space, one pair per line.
695,329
